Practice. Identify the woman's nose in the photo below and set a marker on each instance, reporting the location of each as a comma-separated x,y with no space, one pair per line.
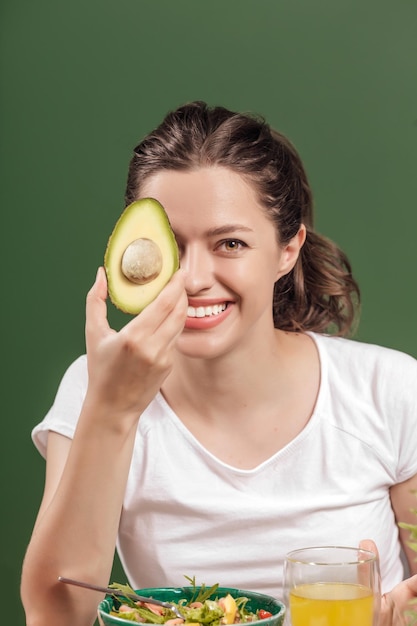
198,268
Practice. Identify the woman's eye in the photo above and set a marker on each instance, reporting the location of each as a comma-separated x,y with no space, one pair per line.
232,245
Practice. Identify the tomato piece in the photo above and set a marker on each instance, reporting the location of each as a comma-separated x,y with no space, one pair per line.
262,614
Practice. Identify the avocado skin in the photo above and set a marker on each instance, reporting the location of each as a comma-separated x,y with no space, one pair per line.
144,218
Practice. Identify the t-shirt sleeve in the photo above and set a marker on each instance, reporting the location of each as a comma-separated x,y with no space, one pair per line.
402,413
63,415
372,396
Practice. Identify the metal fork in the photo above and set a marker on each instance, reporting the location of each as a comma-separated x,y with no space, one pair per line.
116,592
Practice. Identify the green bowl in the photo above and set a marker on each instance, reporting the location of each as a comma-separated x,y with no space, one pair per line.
174,594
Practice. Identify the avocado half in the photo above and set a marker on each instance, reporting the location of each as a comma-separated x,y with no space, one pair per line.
141,255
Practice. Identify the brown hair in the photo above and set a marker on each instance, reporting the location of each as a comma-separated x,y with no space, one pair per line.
320,293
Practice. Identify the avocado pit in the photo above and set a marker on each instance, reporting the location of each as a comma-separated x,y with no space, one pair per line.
142,261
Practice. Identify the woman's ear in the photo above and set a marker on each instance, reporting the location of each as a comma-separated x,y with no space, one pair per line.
291,252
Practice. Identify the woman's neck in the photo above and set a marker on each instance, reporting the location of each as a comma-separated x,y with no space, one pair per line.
243,379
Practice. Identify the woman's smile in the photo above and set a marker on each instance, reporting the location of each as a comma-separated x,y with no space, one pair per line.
203,316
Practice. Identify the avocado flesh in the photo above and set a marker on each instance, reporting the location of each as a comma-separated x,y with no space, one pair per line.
143,219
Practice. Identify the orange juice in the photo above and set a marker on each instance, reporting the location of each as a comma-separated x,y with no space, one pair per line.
331,604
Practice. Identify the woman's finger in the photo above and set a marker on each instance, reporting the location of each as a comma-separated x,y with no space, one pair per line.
96,324
170,301
368,544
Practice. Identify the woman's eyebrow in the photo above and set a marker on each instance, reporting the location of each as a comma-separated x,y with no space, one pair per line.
228,228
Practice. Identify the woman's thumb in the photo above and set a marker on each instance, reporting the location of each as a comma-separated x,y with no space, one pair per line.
96,308
368,544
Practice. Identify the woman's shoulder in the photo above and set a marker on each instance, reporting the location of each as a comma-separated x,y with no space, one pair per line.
369,393
361,354
368,374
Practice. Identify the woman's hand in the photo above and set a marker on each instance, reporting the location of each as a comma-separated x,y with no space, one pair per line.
127,368
396,603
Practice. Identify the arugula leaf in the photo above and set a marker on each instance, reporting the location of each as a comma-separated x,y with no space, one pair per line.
143,612
202,594
146,615
124,589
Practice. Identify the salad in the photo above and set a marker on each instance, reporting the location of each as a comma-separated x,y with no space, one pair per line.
200,610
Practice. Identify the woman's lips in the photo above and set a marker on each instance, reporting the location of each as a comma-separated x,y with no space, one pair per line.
203,317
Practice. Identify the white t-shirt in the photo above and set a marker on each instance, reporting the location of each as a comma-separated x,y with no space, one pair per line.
187,513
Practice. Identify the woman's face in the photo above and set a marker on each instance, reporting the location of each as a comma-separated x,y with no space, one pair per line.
229,251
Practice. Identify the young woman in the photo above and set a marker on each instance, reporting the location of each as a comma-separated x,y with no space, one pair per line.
230,421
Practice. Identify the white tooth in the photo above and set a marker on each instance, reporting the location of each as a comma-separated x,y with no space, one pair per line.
207,311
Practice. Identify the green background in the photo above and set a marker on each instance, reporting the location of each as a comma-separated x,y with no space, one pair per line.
83,81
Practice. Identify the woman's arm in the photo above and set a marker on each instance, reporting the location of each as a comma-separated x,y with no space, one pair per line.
395,603
403,499
76,529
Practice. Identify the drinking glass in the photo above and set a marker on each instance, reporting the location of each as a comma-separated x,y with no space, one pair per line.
332,586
